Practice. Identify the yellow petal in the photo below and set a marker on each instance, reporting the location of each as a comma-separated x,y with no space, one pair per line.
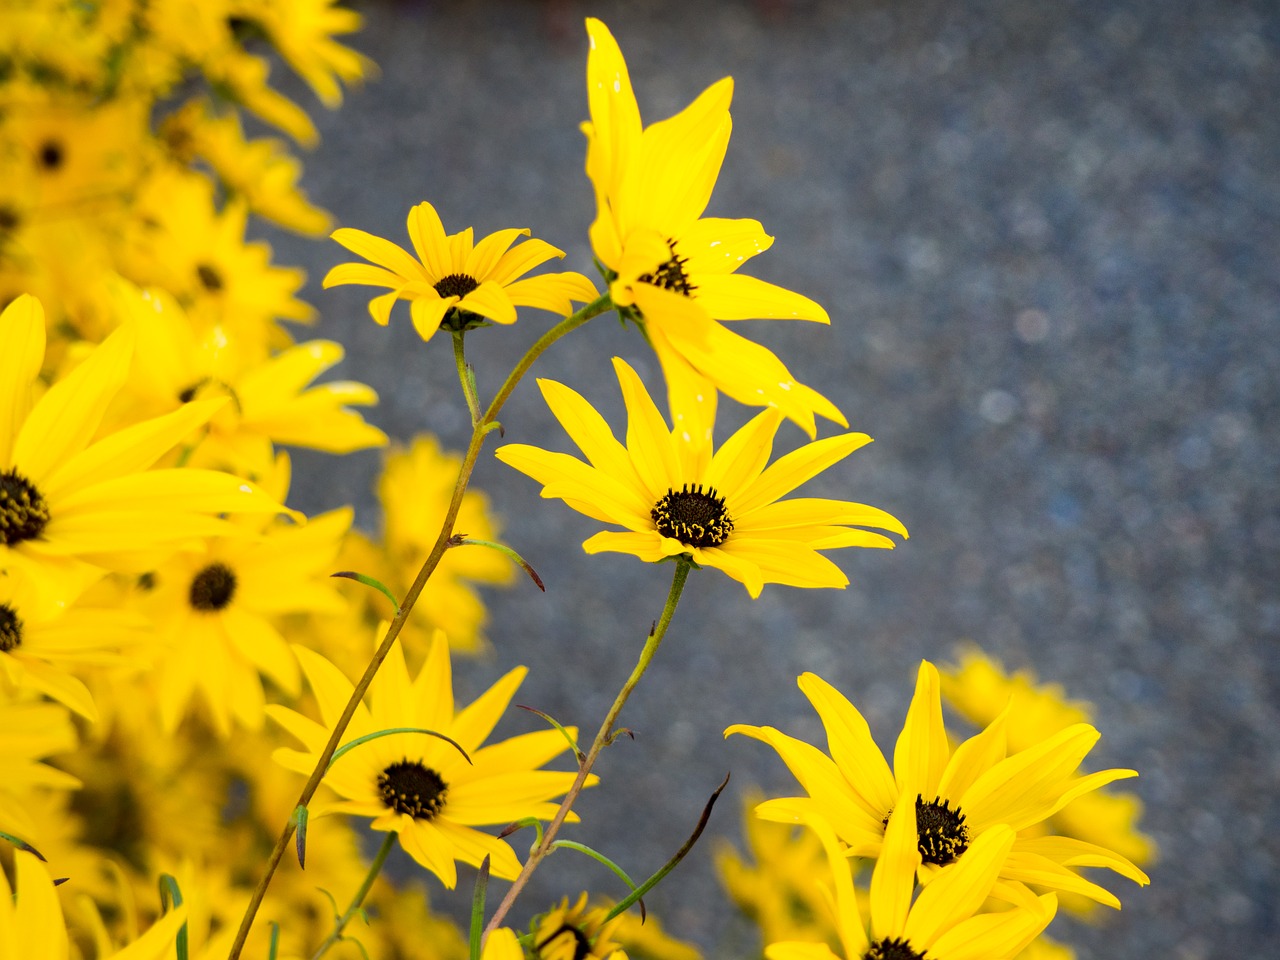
21,353
519,260
894,875
739,297
852,747
384,253
922,751
957,891
490,300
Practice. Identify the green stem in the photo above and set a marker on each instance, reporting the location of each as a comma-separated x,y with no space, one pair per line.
466,377
374,869
478,434
603,738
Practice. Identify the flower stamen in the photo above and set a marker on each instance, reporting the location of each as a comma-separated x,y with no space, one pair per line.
456,285
671,275
892,948
10,629
23,511
942,831
695,517
410,787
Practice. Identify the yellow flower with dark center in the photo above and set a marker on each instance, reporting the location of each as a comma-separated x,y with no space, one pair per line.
70,503
957,796
454,281
676,268
420,787
942,922
676,498
576,933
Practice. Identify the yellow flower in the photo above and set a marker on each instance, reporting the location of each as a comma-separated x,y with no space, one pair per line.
217,610
421,787
453,281
274,400
576,933
959,795
676,498
31,923
41,644
303,32
675,267
942,922
978,686
30,730
70,503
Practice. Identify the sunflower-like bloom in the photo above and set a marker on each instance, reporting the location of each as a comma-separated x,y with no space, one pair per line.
675,267
941,923
454,280
959,795
430,792
576,933
70,503
676,498
31,922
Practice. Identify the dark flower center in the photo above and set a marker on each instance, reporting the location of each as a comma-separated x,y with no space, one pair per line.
10,628
23,512
671,275
942,831
409,787
456,285
892,949
581,944
209,276
10,219
50,155
212,588
695,517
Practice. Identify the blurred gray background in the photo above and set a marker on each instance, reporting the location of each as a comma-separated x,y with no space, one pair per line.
1047,236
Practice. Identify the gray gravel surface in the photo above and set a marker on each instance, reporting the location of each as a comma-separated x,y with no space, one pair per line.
1047,236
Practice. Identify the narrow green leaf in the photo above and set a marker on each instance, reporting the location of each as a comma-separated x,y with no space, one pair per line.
477,907
23,845
506,552
573,744
274,946
171,897
670,865
299,818
601,858
390,730
369,581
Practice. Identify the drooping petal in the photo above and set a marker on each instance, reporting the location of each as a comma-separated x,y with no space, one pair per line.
491,301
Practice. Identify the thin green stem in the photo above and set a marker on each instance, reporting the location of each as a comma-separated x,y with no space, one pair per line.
466,377
603,738
358,900
480,430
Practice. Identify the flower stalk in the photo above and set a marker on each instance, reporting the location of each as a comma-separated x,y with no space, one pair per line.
357,900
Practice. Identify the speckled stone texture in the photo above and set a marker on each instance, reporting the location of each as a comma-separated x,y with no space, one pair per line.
1047,236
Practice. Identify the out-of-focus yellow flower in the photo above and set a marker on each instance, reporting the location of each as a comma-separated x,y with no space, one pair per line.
576,933
273,399
958,795
70,503
262,171
454,281
941,923
41,645
420,787
184,244
217,609
646,938
675,267
30,731
675,498
778,891
32,925
303,32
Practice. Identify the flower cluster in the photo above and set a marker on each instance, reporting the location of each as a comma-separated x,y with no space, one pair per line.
160,603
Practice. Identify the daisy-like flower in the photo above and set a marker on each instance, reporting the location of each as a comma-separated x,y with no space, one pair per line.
418,786
576,933
942,922
675,497
675,267
32,925
454,281
959,795
70,504
42,644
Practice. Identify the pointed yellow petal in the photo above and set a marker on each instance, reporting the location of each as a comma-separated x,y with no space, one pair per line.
427,314
957,891
486,254
739,297
519,260
490,300
922,750
553,292
852,747
893,877
384,253
21,353
995,935
362,274
790,471
648,439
